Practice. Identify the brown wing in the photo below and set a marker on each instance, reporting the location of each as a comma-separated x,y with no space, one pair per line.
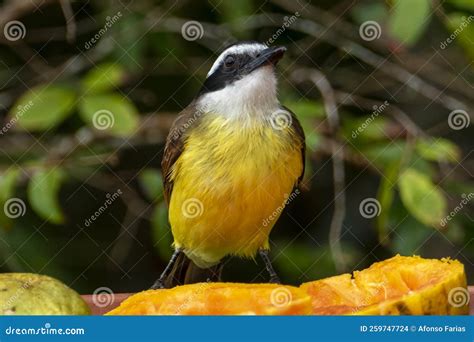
175,145
295,124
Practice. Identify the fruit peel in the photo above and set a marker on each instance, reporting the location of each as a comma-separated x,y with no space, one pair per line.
35,294
397,286
410,286
218,299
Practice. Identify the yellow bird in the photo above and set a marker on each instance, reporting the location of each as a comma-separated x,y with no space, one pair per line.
231,160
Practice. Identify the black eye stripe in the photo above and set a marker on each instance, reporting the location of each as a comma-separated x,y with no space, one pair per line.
226,74
233,60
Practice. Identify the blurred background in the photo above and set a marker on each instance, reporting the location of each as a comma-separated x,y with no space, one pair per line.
89,89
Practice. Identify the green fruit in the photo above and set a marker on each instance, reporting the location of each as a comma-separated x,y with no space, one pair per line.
35,294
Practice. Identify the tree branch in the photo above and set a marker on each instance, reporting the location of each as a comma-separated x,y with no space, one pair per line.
327,92
70,22
378,62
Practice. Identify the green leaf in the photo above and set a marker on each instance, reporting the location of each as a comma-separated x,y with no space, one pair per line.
384,153
231,11
420,165
457,187
110,113
376,11
438,149
455,232
103,77
151,183
462,28
43,191
306,108
422,198
368,128
467,4
8,180
43,107
313,140
385,197
410,236
408,19
161,231
129,31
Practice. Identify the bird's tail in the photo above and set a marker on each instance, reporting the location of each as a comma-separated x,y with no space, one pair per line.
187,272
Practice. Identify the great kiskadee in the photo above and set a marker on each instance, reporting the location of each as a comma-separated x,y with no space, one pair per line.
232,158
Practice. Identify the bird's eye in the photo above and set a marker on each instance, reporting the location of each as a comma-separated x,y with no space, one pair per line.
229,61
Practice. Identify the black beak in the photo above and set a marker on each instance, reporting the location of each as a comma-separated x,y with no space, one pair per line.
270,55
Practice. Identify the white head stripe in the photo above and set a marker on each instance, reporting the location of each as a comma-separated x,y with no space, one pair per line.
236,49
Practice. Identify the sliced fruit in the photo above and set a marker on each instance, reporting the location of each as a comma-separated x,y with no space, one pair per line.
218,299
397,286
35,294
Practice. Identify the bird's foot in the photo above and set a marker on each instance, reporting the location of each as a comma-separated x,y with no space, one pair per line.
268,265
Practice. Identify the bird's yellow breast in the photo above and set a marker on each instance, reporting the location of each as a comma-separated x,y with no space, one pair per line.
230,184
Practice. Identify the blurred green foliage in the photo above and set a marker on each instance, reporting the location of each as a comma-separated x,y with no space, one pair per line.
86,121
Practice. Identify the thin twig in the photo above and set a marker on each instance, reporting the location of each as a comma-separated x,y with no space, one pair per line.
378,62
335,20
329,99
15,9
214,37
350,99
70,21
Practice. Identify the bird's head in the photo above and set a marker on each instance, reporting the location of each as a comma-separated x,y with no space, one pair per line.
242,80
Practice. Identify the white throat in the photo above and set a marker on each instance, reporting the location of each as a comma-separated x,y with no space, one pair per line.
255,95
